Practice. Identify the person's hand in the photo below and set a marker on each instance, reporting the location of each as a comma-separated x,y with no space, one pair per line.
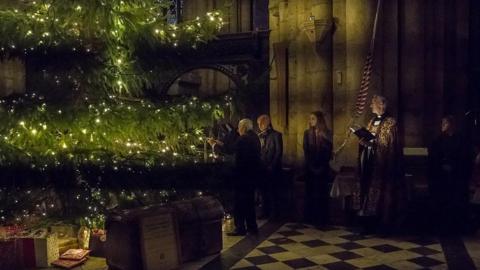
213,141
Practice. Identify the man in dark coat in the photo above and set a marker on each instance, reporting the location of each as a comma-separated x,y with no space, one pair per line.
449,173
271,154
246,171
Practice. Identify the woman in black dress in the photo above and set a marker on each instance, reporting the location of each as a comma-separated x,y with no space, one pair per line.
317,148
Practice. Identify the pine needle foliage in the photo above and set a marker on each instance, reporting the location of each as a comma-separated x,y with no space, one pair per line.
108,31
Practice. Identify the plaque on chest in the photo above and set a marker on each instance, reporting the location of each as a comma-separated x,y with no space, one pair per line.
144,238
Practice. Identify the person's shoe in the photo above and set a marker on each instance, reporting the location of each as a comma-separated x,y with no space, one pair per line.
253,232
236,233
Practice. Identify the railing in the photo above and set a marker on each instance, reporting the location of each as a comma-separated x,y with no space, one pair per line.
232,47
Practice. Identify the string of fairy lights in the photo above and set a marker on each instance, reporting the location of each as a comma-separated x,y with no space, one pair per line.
105,134
59,23
90,204
110,133
109,31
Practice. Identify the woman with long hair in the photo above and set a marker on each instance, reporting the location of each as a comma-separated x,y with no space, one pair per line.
317,148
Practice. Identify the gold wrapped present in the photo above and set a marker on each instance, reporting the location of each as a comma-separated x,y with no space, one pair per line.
65,244
37,249
67,236
64,230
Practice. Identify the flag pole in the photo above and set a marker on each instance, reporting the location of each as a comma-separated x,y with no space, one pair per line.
364,85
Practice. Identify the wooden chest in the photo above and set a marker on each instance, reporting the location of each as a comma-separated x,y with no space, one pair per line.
144,238
200,227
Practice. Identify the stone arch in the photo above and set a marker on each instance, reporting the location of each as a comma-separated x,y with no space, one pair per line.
231,72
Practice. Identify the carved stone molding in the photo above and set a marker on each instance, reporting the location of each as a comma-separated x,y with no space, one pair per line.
317,29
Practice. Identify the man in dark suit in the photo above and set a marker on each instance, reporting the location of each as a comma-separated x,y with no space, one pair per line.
271,154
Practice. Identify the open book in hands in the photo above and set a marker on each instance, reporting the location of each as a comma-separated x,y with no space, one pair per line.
362,133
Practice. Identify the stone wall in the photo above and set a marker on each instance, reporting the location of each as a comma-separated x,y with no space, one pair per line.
238,19
12,77
420,65
300,81
241,16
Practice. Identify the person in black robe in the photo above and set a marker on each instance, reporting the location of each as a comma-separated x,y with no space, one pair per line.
271,155
317,148
449,167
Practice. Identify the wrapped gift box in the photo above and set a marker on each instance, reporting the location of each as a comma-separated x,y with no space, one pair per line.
3,233
97,243
69,264
39,249
64,230
65,244
76,254
8,260
67,236
10,231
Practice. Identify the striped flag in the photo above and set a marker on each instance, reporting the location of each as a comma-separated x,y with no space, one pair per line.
365,84
363,91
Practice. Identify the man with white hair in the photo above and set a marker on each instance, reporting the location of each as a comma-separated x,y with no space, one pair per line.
246,171
382,188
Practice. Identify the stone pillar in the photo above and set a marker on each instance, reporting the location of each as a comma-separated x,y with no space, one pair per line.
474,55
434,66
354,26
341,98
412,72
388,47
12,77
321,65
245,15
299,93
260,14
301,81
460,71
279,72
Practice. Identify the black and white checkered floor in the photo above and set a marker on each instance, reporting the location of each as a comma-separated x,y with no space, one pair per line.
298,246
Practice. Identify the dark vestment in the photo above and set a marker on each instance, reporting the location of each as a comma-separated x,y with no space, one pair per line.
247,167
382,191
271,155
318,152
449,167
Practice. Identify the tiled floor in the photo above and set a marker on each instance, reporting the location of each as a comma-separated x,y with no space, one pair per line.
228,242
472,245
298,246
